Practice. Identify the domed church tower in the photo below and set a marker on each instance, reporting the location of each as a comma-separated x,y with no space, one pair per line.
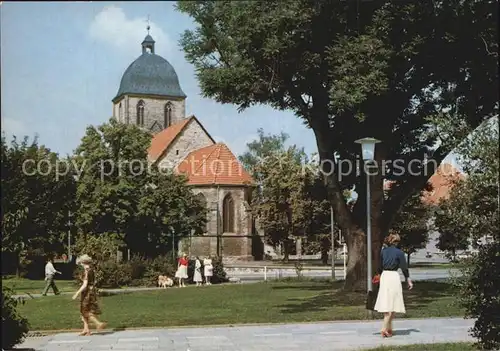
150,95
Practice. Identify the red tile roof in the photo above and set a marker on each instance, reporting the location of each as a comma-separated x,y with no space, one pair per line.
441,183
163,139
214,165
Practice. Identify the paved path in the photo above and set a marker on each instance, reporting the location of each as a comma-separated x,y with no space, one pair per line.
416,274
289,337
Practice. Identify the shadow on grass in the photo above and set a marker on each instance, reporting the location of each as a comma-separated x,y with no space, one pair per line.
331,294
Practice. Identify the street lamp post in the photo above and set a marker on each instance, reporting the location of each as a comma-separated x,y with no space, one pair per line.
69,235
368,152
333,242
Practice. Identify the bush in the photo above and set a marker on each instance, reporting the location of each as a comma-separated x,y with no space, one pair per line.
219,272
480,294
14,326
161,265
144,272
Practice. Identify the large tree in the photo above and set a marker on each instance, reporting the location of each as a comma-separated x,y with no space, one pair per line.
121,193
412,222
351,69
37,195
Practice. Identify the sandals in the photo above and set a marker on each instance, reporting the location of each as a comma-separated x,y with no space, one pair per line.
386,333
85,333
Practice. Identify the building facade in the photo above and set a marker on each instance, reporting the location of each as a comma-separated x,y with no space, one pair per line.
150,97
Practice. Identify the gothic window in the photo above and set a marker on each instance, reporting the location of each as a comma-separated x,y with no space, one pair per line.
167,115
203,201
140,113
228,214
120,117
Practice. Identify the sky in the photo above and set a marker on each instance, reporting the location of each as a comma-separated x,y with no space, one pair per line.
62,63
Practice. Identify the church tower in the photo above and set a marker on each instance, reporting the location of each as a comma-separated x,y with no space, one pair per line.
150,95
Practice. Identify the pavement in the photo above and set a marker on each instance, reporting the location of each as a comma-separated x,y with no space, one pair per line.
308,336
415,274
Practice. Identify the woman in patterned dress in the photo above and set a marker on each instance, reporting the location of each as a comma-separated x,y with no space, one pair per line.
88,303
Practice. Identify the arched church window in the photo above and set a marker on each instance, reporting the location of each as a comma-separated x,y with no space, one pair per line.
140,113
203,201
120,112
168,115
228,214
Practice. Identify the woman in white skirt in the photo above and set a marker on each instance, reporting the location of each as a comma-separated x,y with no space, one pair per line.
390,295
182,270
197,278
208,270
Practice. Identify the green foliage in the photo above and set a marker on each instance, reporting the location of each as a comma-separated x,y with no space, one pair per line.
258,150
472,211
123,194
480,294
35,203
14,326
219,274
412,224
454,231
387,69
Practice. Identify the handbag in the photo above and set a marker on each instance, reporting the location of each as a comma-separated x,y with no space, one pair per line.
371,297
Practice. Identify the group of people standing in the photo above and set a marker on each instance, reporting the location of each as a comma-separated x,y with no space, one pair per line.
182,270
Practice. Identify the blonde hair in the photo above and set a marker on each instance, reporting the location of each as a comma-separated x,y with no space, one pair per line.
393,238
84,259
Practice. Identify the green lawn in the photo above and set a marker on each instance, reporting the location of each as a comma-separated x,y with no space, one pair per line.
461,346
277,302
22,286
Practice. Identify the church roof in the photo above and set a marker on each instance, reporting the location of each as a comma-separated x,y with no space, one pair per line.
214,165
150,74
162,140
441,183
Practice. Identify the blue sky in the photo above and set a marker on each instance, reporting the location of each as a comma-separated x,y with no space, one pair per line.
62,63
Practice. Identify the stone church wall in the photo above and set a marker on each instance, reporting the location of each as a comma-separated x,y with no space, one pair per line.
153,110
233,245
193,137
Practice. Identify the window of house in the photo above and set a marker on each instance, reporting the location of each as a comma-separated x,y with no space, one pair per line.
168,115
228,214
140,113
203,201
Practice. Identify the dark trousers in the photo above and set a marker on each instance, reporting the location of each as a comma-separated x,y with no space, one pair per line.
50,284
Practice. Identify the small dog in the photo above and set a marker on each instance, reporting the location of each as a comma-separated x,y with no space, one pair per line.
164,281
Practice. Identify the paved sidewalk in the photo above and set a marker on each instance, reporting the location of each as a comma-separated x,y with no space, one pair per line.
326,336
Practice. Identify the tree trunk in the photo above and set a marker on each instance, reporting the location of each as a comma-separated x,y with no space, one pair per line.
352,223
356,260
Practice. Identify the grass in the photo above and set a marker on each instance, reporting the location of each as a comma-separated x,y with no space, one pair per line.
276,302
23,286
460,346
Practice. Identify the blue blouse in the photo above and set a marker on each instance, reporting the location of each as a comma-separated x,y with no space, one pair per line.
394,259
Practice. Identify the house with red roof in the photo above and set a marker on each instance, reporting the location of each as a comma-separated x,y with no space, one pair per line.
150,97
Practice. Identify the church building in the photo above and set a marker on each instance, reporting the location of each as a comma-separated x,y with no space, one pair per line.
151,97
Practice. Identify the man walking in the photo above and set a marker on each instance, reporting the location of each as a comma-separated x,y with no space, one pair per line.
50,272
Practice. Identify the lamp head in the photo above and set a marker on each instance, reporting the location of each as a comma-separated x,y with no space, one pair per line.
368,147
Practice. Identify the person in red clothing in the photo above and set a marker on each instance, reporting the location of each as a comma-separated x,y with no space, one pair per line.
182,270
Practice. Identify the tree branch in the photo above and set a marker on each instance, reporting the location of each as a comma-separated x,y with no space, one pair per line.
400,193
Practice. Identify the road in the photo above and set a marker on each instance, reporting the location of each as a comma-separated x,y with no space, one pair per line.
415,274
331,336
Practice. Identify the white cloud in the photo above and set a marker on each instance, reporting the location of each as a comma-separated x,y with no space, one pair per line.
112,26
